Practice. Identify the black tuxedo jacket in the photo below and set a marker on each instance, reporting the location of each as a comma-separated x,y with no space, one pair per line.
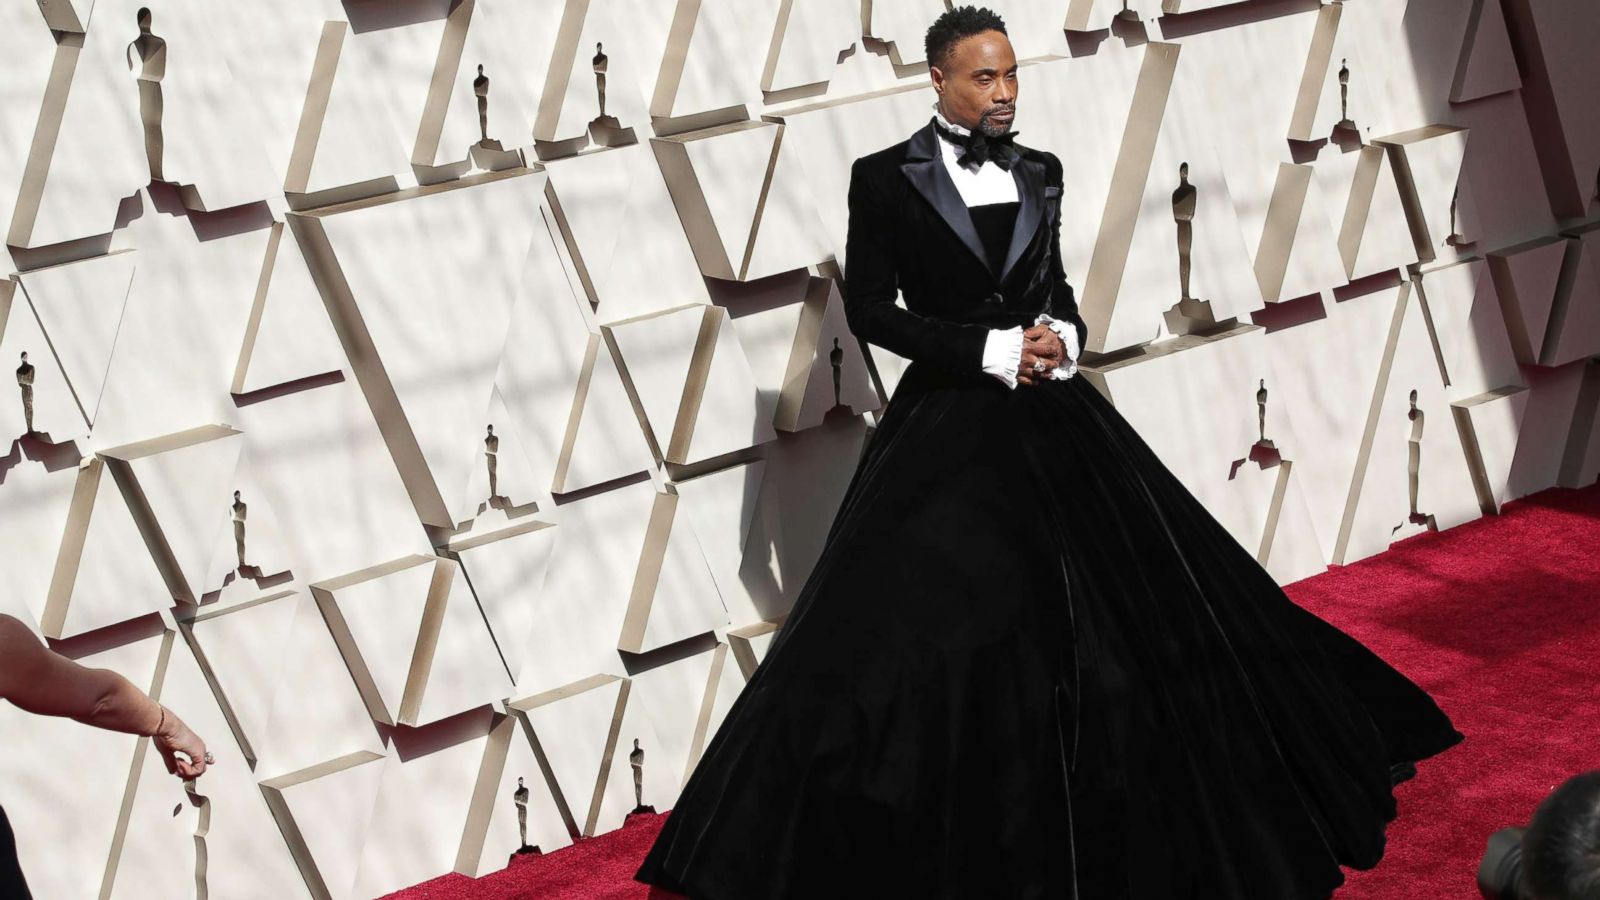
909,230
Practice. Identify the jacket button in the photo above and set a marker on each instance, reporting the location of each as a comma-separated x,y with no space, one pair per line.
995,297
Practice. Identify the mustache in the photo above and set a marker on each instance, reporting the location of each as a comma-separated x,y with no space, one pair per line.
1001,109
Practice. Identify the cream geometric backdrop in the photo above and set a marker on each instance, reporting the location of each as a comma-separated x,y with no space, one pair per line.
538,408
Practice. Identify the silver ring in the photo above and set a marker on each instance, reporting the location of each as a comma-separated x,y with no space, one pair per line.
1038,365
210,760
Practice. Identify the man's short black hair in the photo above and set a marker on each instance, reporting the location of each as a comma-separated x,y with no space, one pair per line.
955,24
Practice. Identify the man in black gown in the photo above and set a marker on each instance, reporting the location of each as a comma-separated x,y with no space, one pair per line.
1028,662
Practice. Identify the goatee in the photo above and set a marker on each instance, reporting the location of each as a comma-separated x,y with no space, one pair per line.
991,128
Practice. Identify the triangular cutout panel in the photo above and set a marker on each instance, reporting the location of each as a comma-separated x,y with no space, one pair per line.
324,811
179,481
665,709
1428,165
1326,398
722,409
659,353
722,506
1525,279
506,570
903,25
713,57
510,44
572,729
1490,424
510,787
80,307
812,364
423,806
1487,64
717,177
28,46
603,441
187,306
674,596
376,616
317,711
1380,511
243,650
467,242
1574,331
1368,213
589,43
289,336
1102,285
788,234
1311,119
1469,329
625,233
463,669
104,574
591,206
1185,178
374,98
213,142
559,384
728,683
593,568
26,357
89,152
809,39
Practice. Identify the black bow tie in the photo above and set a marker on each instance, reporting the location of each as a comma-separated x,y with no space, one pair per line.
978,148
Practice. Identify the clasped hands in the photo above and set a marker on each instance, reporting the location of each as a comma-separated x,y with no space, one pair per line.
1040,342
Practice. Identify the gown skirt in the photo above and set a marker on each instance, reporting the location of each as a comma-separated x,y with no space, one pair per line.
1030,664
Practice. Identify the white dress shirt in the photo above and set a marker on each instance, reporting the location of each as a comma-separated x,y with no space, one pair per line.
981,185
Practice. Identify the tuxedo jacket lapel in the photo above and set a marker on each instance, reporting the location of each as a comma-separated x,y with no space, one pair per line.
1029,174
926,170
925,167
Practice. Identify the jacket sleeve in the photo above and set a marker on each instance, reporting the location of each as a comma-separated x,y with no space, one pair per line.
871,284
1063,300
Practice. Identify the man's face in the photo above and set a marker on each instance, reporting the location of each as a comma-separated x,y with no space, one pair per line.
978,87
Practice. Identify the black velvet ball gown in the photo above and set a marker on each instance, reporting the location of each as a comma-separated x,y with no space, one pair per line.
1029,664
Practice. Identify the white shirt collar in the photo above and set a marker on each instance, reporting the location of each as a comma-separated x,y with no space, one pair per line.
958,129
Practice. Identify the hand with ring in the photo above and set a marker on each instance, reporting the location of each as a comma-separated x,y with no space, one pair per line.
173,737
1042,351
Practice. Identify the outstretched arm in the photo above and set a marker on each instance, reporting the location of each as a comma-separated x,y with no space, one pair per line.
871,284
38,680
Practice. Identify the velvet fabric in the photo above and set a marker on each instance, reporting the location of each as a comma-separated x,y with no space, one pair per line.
994,222
1028,662
13,885
909,231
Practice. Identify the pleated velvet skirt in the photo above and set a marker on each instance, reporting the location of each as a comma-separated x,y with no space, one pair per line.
1030,664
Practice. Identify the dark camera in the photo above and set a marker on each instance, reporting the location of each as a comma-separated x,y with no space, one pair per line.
1500,873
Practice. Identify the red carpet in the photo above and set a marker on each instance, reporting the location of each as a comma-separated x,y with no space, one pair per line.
1499,619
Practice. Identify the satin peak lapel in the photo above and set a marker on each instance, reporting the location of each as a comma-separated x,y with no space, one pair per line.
925,168
928,175
1029,174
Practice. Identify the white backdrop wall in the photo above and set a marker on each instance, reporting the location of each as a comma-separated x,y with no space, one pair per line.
349,272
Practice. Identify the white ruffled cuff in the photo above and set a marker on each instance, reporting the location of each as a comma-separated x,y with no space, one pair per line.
1002,354
1069,336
